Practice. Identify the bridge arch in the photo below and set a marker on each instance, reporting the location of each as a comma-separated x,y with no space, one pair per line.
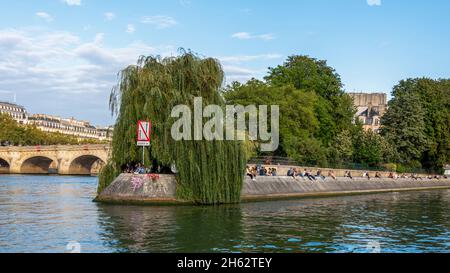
39,165
4,166
86,165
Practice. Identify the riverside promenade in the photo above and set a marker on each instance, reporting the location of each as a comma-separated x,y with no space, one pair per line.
143,189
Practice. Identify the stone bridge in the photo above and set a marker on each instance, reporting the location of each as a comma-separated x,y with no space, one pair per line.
58,159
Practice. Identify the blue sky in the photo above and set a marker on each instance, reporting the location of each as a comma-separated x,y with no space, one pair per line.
61,57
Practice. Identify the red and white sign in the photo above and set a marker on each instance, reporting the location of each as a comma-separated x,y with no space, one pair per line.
144,130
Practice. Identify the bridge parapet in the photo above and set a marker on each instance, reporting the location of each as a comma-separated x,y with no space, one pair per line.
61,159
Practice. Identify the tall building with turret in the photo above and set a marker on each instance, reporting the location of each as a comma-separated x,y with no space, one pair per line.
370,108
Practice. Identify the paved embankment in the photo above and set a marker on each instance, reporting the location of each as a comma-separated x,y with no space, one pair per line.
265,188
141,189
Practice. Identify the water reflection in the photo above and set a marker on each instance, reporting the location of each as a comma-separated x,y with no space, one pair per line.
406,222
44,213
172,229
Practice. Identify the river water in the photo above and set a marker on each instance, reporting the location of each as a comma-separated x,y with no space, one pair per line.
45,213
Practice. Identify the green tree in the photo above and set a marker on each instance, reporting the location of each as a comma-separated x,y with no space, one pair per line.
335,108
307,73
372,149
342,148
298,118
434,96
314,108
404,127
209,172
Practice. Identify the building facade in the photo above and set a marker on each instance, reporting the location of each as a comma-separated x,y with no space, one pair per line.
55,124
17,112
70,126
370,108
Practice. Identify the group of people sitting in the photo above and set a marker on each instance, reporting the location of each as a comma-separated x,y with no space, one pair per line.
293,172
258,170
415,176
139,168
253,172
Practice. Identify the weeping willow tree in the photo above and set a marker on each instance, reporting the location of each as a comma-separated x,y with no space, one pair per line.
209,172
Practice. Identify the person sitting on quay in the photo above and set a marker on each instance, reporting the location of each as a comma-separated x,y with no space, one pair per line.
250,173
254,172
348,174
309,175
263,171
140,169
290,172
319,174
302,174
366,174
274,171
377,175
331,174
415,176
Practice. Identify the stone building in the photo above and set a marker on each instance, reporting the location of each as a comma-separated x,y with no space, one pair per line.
49,123
71,126
370,108
17,112
105,133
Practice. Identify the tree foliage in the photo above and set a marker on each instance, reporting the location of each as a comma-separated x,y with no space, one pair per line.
313,107
417,122
209,172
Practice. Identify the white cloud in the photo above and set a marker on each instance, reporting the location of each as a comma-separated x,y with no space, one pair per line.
109,16
47,17
374,2
246,58
131,28
160,21
56,72
248,36
242,67
240,74
72,2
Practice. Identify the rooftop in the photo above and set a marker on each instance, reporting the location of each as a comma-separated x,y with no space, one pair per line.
11,104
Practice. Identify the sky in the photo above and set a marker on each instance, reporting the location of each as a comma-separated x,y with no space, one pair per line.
62,57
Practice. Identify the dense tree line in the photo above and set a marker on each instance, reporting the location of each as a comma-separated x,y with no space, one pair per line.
12,133
418,123
317,125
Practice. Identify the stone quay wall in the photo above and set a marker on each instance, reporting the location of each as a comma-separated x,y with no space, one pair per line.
141,189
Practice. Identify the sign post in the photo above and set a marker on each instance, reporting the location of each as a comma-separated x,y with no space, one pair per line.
144,130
